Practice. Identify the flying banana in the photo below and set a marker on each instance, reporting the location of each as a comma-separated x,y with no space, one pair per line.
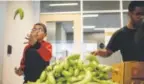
20,12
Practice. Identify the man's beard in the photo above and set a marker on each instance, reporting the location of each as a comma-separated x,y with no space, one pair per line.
139,34
137,25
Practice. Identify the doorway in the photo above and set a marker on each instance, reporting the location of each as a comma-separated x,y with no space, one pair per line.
64,33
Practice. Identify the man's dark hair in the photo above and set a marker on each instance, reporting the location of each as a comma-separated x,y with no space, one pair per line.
44,27
134,4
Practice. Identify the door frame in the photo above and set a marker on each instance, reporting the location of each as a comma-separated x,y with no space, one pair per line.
76,18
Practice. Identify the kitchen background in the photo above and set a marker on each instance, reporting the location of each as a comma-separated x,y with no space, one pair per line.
99,20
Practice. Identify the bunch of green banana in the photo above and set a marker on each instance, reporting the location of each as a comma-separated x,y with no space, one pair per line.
20,12
75,71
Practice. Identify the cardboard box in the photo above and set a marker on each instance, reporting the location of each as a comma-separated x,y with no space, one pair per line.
128,73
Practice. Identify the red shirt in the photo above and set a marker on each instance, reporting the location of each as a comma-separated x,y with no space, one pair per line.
45,52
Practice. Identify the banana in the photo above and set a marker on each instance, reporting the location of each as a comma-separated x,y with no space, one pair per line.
20,12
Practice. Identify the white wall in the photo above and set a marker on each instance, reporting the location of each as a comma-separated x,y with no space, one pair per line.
2,26
91,43
94,37
61,45
51,31
63,34
36,10
56,35
15,33
60,32
89,37
51,37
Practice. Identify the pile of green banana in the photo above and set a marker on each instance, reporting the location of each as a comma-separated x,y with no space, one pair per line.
75,71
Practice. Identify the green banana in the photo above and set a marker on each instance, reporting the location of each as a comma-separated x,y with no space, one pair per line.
66,73
61,79
20,12
51,78
86,79
43,76
76,72
49,68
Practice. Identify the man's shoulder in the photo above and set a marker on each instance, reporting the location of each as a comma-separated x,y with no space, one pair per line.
120,31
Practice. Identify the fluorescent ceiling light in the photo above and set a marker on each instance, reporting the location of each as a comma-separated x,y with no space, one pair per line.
113,28
99,28
64,4
87,27
91,15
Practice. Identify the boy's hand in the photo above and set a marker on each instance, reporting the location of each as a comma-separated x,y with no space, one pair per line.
32,38
18,71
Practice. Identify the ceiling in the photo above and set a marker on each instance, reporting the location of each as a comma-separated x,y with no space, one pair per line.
104,20
87,6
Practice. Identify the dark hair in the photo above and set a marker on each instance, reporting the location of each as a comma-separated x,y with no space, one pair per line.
44,27
134,4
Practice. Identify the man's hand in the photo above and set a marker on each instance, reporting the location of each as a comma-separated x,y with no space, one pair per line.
103,52
18,71
94,53
32,38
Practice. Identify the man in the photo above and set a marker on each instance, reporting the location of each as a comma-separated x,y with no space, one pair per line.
36,56
124,38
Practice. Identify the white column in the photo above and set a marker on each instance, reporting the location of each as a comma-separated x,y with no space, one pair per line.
60,32
36,11
51,31
81,30
2,23
63,34
121,13
15,32
51,36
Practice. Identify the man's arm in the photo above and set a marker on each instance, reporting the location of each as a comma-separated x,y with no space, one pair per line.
113,46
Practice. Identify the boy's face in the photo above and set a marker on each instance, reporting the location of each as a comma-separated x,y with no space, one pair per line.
41,34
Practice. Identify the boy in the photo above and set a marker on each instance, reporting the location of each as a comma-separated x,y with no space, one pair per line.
36,56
